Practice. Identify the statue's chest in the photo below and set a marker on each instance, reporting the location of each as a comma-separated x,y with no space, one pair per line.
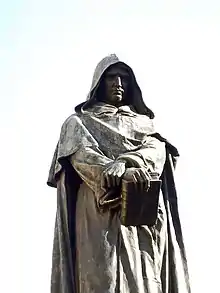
118,134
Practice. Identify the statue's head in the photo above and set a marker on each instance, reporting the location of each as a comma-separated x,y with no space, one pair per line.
114,83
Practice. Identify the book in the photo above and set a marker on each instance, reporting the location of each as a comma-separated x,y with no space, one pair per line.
140,207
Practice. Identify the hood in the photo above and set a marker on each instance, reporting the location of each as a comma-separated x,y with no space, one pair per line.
102,66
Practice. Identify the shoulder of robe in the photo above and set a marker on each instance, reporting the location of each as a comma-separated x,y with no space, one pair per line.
71,121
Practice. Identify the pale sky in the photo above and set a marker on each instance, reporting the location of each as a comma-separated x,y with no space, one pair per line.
48,52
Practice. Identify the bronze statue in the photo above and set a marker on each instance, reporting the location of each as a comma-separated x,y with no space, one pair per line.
109,149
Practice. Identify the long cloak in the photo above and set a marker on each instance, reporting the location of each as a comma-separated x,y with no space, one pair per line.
79,132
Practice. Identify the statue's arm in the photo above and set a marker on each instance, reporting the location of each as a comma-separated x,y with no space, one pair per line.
89,163
152,155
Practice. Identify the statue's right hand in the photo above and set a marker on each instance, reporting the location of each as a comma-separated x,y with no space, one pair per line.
112,175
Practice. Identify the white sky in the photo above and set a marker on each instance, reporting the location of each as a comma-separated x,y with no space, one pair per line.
48,52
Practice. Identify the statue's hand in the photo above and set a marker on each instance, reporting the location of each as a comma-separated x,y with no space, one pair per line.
111,177
140,176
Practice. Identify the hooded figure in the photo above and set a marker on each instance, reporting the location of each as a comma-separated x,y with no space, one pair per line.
102,142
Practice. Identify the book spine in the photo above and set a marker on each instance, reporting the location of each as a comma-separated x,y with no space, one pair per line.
124,203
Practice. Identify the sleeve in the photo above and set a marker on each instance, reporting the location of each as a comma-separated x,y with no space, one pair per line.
152,155
89,163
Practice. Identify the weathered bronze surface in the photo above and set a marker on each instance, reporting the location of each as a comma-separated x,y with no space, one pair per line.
110,138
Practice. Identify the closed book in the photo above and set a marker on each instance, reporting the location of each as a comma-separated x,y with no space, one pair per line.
139,207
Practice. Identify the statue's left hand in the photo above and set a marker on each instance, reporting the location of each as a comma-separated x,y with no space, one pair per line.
112,175
140,176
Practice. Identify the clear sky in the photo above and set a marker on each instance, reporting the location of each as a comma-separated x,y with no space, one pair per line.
48,52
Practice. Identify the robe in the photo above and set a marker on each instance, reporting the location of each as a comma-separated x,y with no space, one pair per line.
93,252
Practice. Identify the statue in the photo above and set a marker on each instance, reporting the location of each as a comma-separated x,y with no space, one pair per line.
108,141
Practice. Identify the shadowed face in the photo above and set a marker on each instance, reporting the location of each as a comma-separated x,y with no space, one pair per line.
116,81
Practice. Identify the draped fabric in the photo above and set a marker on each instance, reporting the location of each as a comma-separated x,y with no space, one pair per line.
92,251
